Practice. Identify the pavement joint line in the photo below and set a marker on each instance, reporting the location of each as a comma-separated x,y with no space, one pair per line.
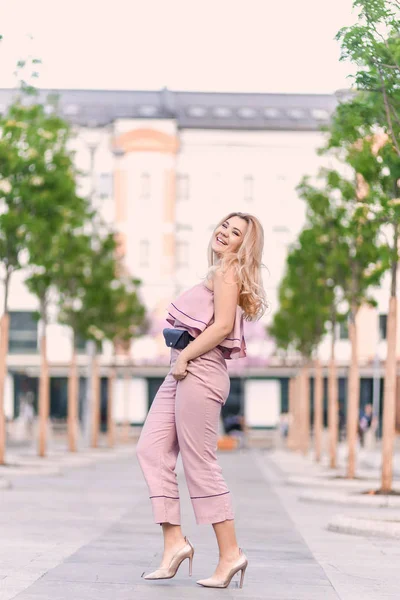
5,484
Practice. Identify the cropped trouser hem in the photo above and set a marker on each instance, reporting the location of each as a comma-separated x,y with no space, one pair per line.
207,510
166,510
213,509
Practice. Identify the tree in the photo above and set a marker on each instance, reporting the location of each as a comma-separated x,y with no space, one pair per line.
54,212
376,167
116,314
333,257
355,264
70,280
36,185
305,300
11,246
373,45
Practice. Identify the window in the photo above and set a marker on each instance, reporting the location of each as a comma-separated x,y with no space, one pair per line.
343,330
196,111
382,327
105,185
80,344
248,188
23,337
144,253
246,112
222,112
182,187
145,186
182,254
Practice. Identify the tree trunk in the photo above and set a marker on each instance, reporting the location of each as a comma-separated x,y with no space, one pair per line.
73,394
353,404
398,403
110,407
297,412
305,409
126,421
4,327
333,406
318,409
389,399
291,416
95,409
44,396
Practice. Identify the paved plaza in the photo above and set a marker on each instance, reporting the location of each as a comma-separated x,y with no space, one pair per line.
83,530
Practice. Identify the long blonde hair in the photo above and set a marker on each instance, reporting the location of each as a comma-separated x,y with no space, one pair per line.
247,265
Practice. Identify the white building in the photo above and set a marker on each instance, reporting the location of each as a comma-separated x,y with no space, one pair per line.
165,167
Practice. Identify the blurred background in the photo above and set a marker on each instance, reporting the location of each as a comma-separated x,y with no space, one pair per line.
180,112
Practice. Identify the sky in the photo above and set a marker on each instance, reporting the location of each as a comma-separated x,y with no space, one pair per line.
274,46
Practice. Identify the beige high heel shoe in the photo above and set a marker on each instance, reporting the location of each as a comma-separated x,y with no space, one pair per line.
240,565
167,573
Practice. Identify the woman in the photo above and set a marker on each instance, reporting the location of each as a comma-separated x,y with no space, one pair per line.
185,413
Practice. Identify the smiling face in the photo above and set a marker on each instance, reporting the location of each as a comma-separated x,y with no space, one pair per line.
229,235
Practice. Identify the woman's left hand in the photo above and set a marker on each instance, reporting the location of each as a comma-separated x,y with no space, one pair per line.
179,370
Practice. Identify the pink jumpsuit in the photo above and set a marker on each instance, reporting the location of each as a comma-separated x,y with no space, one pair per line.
184,418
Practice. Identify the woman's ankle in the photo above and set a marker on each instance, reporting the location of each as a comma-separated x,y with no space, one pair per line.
173,535
230,554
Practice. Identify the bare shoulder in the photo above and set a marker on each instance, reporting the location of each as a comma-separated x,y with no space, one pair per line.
226,285
227,277
219,276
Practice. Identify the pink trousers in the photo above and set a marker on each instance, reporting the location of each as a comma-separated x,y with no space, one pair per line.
184,417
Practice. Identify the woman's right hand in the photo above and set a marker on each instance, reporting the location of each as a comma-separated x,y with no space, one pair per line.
179,370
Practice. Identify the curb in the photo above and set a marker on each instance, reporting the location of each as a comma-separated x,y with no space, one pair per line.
378,501
29,469
56,462
365,526
331,482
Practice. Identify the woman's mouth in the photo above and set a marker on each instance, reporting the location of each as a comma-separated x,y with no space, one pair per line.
220,241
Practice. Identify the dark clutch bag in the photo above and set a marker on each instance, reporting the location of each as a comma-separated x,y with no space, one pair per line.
177,338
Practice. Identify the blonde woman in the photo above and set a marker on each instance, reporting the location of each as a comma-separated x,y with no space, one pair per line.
207,329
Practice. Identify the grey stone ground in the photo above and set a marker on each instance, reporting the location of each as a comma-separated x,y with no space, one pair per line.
88,534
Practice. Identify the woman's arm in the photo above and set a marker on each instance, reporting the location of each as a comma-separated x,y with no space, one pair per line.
226,292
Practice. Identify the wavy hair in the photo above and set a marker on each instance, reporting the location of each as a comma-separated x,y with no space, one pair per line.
247,264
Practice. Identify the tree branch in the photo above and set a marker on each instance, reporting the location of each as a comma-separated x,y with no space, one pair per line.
387,111
383,39
394,113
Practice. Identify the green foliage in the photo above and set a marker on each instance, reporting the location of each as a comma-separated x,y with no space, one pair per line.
94,300
36,181
305,296
344,250
48,228
334,264
373,45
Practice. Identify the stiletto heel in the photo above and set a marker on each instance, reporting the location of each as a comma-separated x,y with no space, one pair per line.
240,565
190,563
243,571
167,573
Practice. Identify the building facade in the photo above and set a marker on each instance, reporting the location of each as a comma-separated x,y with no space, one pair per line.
163,168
